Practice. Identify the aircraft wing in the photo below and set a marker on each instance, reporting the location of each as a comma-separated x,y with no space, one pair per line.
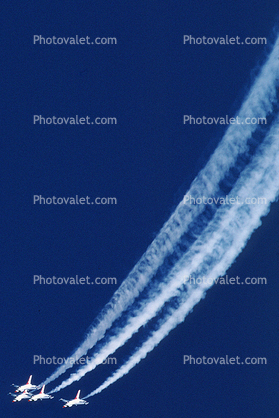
64,400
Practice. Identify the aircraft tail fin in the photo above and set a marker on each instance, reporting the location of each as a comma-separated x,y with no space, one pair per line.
29,380
77,397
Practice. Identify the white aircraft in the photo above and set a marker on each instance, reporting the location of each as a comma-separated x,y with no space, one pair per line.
40,396
23,395
77,401
28,386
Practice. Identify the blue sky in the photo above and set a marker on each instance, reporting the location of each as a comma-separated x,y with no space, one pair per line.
149,80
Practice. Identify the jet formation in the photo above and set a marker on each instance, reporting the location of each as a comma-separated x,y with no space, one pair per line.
26,392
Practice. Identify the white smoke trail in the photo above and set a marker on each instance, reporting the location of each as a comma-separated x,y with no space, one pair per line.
258,104
264,174
210,244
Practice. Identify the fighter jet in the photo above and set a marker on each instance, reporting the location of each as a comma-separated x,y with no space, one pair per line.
23,395
77,401
28,386
40,396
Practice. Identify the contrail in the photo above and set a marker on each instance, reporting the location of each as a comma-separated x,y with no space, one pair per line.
210,245
264,181
259,103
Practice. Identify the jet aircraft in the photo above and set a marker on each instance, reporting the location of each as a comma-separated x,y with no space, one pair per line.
74,402
23,395
27,386
40,396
